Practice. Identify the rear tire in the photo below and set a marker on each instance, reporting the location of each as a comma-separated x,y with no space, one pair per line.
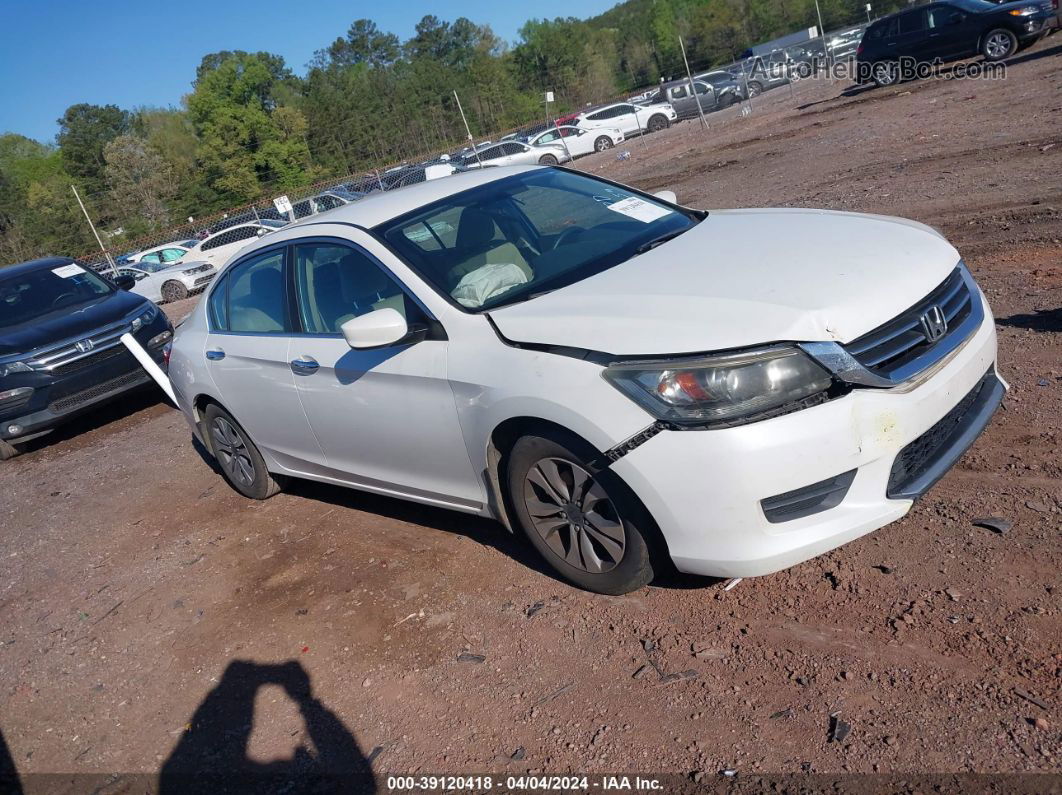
547,160
885,74
241,464
588,526
998,44
8,451
602,143
658,123
174,291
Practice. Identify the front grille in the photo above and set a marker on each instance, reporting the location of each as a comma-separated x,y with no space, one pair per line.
203,280
77,365
807,500
903,339
920,455
100,390
66,353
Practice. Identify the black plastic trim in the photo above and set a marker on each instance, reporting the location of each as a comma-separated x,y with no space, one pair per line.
808,500
969,422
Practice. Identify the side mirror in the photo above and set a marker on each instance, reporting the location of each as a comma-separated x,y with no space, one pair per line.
667,195
380,328
124,282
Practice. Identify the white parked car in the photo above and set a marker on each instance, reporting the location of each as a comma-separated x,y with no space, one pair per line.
159,283
326,200
577,141
218,247
166,254
627,382
514,153
629,118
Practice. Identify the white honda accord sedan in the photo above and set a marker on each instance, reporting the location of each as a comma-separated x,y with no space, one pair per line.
630,383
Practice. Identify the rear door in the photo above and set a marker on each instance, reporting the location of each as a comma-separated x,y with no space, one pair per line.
246,354
913,41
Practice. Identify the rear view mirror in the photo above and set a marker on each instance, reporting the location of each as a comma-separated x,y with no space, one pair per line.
380,328
667,195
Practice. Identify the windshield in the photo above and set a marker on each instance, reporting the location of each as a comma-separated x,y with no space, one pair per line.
29,295
530,233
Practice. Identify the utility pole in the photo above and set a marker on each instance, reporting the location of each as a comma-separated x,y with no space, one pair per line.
471,140
114,269
822,38
693,90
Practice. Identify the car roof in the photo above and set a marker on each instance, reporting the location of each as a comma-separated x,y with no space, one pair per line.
34,265
381,206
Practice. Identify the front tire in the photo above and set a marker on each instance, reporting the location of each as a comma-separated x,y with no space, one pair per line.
174,291
755,88
658,123
587,525
999,44
241,464
547,160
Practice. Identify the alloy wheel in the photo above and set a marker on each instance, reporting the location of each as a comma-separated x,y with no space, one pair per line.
231,451
602,143
998,45
574,516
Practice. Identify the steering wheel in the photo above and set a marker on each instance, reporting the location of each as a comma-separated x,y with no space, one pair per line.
571,231
61,296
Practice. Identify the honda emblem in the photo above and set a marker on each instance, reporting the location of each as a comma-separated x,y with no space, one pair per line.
84,345
934,324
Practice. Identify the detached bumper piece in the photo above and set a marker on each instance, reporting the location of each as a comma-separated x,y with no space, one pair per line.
925,460
807,500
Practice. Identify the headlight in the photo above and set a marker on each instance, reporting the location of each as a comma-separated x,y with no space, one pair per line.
725,389
14,367
145,317
1023,12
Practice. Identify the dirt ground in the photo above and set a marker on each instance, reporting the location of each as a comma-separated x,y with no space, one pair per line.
151,616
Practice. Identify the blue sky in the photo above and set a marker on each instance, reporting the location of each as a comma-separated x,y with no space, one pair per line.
54,54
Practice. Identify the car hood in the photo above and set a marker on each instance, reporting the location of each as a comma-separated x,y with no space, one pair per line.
744,277
75,321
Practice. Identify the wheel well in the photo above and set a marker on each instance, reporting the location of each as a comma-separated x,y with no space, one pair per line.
501,442
199,406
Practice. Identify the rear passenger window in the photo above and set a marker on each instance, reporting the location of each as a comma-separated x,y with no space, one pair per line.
912,22
256,295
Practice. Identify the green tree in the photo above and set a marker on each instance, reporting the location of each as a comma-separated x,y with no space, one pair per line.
84,130
140,183
246,141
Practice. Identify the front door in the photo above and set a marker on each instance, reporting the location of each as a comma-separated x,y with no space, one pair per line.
385,418
246,352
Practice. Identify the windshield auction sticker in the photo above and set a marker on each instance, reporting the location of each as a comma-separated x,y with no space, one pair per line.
639,209
67,271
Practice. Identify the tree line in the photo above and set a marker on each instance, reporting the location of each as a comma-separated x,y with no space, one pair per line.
252,127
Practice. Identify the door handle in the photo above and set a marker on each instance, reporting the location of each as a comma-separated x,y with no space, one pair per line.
305,365
215,355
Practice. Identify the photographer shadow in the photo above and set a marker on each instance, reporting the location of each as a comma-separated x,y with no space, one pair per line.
211,756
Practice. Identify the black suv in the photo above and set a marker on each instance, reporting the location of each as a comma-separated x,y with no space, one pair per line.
893,46
60,348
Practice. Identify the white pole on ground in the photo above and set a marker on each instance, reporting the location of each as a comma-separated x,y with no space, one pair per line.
641,133
471,140
92,226
693,91
149,364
